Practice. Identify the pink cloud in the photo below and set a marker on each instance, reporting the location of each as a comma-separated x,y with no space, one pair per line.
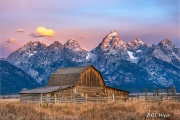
49,38
35,35
11,40
21,30
82,37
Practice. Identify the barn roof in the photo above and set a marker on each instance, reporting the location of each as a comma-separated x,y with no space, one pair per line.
46,89
66,76
117,88
70,70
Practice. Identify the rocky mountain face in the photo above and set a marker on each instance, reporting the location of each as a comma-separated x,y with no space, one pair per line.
13,79
40,61
132,66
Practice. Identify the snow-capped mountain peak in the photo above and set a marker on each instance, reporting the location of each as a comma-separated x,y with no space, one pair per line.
32,47
112,41
56,45
166,42
135,43
73,45
138,41
113,33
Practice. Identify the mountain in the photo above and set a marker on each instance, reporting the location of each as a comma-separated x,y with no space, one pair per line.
132,66
112,41
134,44
111,48
40,61
14,79
136,65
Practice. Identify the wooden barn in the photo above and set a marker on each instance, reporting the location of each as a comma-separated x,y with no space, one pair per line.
72,83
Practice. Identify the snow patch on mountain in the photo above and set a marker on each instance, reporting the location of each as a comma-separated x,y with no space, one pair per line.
89,56
31,54
111,51
131,55
78,60
138,51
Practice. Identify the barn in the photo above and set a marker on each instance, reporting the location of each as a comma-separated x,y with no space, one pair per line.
74,82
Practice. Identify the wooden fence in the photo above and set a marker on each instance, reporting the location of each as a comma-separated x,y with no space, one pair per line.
79,99
162,98
72,99
152,98
110,98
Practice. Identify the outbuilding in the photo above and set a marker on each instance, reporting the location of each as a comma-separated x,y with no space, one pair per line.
71,83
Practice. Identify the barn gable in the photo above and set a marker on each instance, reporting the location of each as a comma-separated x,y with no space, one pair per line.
91,77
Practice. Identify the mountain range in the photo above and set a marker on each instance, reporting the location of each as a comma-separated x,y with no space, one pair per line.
131,66
13,79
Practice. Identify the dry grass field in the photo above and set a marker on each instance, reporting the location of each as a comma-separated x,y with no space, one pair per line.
14,110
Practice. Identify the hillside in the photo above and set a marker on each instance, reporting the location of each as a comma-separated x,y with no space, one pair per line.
13,79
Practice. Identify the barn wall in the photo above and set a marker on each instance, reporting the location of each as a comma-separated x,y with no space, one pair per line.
30,97
90,90
67,93
91,77
116,92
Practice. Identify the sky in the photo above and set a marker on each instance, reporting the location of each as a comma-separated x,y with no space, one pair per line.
86,21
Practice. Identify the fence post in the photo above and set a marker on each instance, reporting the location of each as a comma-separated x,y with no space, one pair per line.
153,92
113,97
173,90
75,89
86,97
145,92
138,96
157,92
162,97
41,99
71,93
55,99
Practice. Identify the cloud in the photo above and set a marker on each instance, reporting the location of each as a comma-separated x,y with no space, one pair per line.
83,37
42,31
35,35
11,40
21,30
49,38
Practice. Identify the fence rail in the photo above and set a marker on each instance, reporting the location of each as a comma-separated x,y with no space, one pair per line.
160,98
109,98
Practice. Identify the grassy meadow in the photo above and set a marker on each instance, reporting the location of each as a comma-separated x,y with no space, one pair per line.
136,110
